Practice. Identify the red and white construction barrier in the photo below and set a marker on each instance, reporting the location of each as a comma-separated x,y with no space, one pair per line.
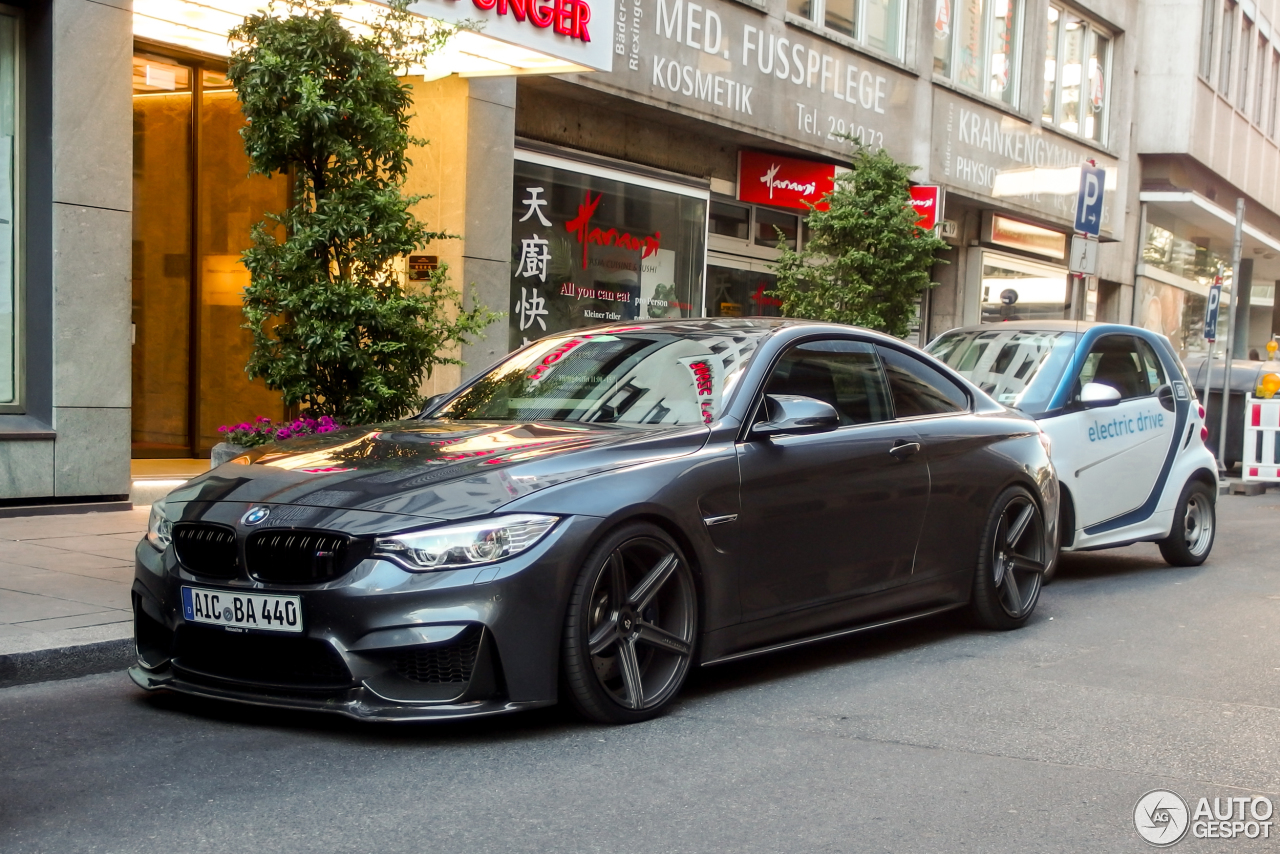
1261,449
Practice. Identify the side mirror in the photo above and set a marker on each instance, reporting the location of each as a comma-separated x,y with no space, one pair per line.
431,403
791,414
1095,395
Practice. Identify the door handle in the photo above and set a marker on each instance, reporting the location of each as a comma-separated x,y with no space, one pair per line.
902,449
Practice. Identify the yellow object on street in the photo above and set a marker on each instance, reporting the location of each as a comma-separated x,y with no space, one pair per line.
1269,385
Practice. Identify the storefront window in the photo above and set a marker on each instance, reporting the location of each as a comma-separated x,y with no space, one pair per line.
977,44
876,24
10,301
734,292
1181,257
1178,312
768,225
588,249
730,220
1018,289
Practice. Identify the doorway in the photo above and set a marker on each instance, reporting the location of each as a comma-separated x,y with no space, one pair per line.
194,204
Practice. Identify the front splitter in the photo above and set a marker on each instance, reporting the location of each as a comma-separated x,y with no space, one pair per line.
357,703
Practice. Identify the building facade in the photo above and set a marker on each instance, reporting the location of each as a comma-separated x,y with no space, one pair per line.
627,159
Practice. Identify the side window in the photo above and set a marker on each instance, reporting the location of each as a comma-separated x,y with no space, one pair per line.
845,374
920,389
1117,361
1151,365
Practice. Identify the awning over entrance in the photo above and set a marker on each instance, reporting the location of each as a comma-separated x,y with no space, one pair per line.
504,46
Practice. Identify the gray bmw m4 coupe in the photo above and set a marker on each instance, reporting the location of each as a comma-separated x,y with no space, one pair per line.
591,518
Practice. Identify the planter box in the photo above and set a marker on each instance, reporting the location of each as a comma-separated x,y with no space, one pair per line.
222,452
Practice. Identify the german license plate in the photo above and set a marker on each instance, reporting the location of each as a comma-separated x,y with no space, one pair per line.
242,610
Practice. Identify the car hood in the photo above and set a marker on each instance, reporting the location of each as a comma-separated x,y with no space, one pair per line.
433,469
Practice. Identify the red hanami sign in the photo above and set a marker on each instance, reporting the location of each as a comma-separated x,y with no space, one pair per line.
786,182
927,200
566,17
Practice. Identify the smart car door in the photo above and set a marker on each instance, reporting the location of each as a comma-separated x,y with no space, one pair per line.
1110,457
829,515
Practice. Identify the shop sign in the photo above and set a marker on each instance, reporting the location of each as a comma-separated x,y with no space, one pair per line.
722,61
784,182
587,251
927,200
1027,237
577,31
989,155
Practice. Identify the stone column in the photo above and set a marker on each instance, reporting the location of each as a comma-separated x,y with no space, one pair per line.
467,170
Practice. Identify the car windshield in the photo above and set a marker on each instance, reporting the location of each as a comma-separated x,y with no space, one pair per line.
1019,368
614,376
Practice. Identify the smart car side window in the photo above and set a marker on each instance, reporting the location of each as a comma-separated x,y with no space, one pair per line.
918,388
1117,361
843,373
1151,364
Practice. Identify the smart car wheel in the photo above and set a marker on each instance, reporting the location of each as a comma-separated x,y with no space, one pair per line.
631,626
1194,524
1011,562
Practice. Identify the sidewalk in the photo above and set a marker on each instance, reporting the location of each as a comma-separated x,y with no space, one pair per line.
64,593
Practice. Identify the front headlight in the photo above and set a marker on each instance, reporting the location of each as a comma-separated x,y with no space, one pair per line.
468,544
159,528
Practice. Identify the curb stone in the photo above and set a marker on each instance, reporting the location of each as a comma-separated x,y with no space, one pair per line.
68,657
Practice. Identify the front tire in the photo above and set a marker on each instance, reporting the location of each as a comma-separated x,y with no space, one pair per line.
1011,562
1195,522
631,627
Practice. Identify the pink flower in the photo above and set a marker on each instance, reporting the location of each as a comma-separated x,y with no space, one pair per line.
283,433
222,429
262,419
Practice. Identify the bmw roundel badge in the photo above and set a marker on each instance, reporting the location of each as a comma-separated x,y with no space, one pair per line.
255,515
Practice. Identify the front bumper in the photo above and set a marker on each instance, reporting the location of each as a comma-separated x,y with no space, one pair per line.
378,643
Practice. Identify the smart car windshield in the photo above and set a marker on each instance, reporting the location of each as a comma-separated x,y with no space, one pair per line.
1019,368
636,376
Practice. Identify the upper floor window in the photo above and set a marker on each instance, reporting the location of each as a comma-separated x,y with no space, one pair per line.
1077,75
875,23
1275,91
1246,53
979,46
1260,81
1207,26
1228,30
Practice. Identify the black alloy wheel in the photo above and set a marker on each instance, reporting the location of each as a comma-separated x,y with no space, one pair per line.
631,627
1011,562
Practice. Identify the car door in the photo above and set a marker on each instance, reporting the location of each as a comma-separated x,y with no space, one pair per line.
830,515
955,448
1110,457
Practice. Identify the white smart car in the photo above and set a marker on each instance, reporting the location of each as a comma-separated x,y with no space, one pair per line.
1126,429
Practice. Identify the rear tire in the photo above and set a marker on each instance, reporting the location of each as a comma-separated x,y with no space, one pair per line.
1195,523
1011,562
632,626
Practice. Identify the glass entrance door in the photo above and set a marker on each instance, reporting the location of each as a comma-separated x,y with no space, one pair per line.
194,206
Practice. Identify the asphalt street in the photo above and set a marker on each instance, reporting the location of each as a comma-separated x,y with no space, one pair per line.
929,737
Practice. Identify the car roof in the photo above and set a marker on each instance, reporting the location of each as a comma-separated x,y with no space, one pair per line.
1039,326
758,325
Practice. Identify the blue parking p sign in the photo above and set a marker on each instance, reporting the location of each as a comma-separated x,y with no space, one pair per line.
1211,311
1093,180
